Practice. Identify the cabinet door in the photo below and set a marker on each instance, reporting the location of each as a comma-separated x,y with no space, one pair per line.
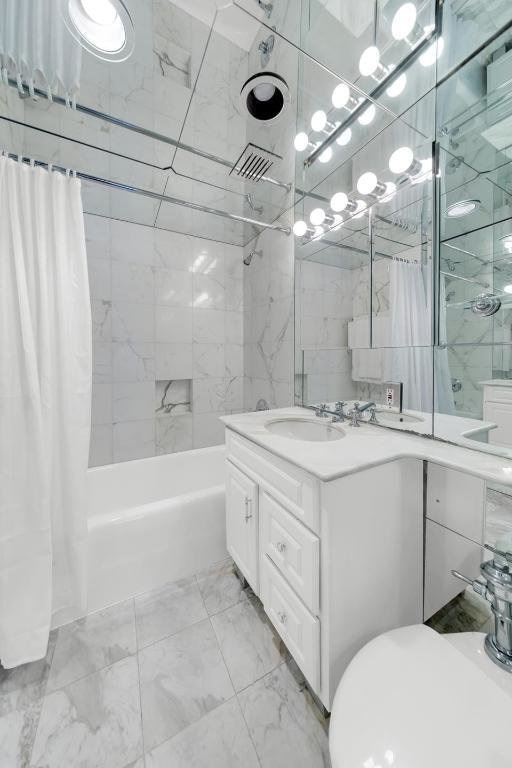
242,523
444,551
500,414
456,500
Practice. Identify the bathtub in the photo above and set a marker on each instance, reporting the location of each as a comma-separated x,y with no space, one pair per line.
152,521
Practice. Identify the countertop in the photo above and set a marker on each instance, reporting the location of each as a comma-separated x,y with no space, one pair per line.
362,448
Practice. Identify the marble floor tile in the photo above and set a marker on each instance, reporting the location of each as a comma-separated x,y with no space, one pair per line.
285,725
165,611
462,614
249,645
92,723
182,678
21,699
89,644
218,740
221,588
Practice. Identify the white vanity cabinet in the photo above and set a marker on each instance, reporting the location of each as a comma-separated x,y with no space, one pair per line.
334,563
454,529
242,523
497,408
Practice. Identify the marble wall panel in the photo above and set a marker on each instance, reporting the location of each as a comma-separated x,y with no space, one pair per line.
167,316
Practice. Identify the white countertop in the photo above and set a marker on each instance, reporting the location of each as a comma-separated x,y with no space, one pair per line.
363,447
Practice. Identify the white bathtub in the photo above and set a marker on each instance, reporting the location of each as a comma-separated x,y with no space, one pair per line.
152,521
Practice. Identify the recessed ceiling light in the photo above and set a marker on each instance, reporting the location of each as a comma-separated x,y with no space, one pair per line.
461,208
102,27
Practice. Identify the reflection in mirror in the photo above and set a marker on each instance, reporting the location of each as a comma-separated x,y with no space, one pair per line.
475,254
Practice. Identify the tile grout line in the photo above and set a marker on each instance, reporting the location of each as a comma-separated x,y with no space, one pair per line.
140,686
42,699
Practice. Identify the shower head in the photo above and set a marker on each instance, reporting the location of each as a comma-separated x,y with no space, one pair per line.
248,258
485,304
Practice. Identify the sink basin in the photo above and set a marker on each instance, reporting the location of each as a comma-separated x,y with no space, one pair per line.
392,417
304,429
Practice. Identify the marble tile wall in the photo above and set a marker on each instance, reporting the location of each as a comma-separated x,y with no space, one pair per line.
324,309
269,322
167,339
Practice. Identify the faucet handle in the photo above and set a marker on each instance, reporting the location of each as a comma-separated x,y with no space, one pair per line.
478,587
320,409
338,406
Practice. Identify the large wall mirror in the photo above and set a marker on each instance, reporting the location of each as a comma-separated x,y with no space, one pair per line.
404,223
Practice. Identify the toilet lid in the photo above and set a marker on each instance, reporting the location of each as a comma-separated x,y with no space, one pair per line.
413,699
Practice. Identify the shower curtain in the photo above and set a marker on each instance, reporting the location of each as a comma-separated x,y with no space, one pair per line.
411,357
45,405
36,47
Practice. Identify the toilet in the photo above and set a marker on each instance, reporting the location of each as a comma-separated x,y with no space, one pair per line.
413,698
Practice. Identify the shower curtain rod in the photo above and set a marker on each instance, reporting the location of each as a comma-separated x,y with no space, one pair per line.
464,279
25,93
155,195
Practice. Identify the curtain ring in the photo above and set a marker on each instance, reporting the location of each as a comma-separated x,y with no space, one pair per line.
31,88
67,173
49,93
19,83
50,167
32,162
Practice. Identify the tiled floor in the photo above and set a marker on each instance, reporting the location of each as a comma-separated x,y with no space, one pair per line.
188,676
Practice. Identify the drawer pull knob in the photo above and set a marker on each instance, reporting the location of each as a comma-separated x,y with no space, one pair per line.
248,514
280,546
282,617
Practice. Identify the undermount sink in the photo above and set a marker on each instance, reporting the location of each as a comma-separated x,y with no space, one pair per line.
304,429
392,417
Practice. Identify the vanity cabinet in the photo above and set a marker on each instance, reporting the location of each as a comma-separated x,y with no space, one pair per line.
242,523
497,408
454,531
333,563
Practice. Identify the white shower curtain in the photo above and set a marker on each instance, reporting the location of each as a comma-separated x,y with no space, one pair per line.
411,335
45,404
36,47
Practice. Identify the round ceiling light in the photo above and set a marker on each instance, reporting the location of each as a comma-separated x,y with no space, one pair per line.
102,27
265,96
461,208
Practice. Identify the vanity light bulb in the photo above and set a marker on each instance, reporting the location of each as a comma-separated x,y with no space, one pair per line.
339,202
319,233
337,223
340,96
404,21
301,141
344,137
366,183
317,216
397,86
300,228
326,155
367,116
369,61
401,160
432,53
507,288
318,120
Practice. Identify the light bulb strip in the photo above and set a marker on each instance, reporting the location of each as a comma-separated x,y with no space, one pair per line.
379,89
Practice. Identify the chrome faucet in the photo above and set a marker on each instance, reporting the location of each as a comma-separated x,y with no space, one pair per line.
339,413
321,411
497,590
357,411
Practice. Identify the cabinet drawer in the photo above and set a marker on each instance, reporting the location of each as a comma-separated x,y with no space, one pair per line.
293,549
299,629
456,500
289,484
